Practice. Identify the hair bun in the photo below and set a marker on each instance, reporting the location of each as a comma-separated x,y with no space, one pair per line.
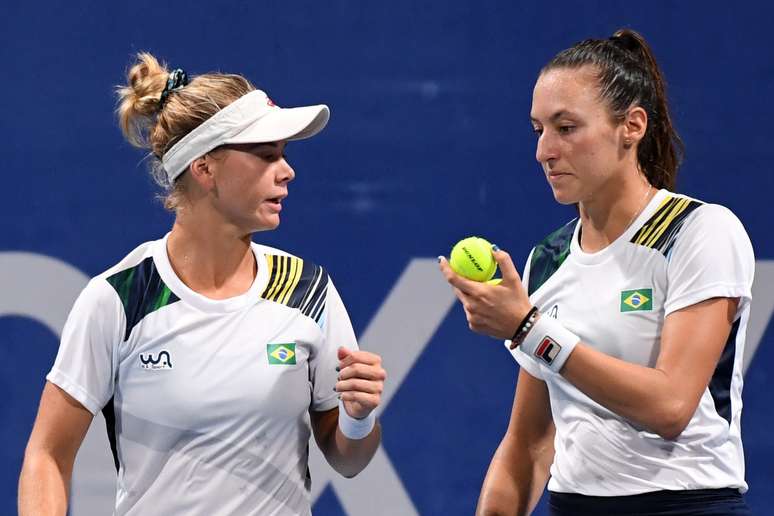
628,40
138,100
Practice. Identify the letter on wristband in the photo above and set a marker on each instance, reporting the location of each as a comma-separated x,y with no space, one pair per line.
549,343
354,428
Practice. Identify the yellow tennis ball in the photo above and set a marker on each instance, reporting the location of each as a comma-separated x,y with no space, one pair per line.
494,281
472,258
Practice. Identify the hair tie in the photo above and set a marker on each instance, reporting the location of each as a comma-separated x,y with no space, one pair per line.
176,80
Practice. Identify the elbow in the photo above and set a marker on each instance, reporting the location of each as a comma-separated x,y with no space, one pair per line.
348,471
35,459
673,420
670,432
486,511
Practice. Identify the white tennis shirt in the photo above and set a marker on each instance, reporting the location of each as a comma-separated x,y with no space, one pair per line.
207,401
677,252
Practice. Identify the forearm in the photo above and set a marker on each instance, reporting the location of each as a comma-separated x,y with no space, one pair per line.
644,395
350,456
515,481
350,435
43,486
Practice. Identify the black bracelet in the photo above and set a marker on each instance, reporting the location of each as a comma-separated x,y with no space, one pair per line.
525,325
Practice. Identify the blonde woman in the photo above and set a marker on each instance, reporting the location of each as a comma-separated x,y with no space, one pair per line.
212,358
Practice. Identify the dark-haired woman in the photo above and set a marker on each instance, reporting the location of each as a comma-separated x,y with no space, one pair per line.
212,357
630,321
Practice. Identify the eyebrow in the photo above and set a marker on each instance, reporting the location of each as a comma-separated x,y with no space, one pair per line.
556,116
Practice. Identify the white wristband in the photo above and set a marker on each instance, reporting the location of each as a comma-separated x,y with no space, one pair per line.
354,428
549,343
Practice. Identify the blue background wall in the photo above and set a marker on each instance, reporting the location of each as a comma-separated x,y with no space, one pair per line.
429,141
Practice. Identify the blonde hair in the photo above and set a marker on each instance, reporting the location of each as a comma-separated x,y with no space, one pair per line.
149,124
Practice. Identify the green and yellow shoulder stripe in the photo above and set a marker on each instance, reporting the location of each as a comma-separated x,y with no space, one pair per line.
549,255
296,283
141,291
661,229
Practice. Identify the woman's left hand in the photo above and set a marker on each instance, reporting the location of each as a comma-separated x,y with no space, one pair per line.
361,381
494,310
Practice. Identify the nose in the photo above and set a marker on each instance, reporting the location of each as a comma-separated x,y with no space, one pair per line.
546,148
285,172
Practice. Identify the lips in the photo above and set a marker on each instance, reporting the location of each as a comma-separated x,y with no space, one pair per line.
276,202
278,199
556,175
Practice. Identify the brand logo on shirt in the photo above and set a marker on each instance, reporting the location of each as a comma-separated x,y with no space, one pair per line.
640,300
548,350
281,354
162,361
554,312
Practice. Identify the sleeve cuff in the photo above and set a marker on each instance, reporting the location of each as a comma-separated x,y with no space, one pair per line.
80,394
326,404
524,361
708,292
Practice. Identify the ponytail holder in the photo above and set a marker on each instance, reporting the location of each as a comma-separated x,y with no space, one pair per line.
176,80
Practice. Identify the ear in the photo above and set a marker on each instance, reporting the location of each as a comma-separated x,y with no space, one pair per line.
634,126
201,172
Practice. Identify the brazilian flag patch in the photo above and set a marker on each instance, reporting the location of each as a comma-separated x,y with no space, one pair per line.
640,300
281,354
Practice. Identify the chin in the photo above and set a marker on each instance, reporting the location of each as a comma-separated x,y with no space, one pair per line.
565,197
266,225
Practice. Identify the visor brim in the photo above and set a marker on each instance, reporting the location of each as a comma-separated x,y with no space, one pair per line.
295,123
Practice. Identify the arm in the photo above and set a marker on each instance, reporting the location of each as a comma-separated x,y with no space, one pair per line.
360,385
59,429
520,467
662,398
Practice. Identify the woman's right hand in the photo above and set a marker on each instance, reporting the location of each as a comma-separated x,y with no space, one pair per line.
494,310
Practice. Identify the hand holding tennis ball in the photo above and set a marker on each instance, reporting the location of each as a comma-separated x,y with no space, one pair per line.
472,258
493,306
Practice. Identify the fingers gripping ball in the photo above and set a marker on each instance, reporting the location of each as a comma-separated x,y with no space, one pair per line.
472,258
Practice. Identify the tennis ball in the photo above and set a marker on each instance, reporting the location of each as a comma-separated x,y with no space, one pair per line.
472,258
494,281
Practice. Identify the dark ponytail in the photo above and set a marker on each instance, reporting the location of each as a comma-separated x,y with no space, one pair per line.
628,76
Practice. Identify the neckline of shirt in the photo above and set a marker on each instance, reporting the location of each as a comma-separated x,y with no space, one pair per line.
201,302
581,256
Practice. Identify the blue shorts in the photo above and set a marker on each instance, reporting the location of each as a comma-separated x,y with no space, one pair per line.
726,502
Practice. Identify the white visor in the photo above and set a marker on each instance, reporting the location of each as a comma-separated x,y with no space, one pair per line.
253,118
